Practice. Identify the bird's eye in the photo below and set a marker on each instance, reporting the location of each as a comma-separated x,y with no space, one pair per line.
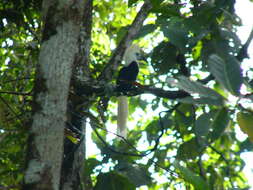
137,54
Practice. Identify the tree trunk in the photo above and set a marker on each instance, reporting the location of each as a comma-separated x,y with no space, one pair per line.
62,21
74,154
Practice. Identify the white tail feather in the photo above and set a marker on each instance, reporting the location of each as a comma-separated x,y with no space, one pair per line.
122,116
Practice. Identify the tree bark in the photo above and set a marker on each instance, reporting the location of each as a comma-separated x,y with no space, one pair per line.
62,22
73,177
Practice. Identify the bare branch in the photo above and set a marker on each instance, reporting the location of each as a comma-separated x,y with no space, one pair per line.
159,92
244,50
101,90
116,58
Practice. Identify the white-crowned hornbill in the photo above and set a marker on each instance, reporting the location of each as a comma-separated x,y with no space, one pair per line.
125,82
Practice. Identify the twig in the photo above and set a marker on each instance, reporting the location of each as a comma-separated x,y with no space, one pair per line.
112,66
12,110
243,53
95,124
146,152
225,160
16,93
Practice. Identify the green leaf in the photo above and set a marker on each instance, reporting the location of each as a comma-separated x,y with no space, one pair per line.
113,181
229,35
219,124
167,10
183,152
184,115
177,34
164,57
191,177
90,164
194,87
131,2
246,146
227,72
146,29
137,174
121,33
245,122
156,3
202,125
152,130
209,101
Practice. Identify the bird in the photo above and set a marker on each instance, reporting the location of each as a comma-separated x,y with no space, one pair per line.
125,82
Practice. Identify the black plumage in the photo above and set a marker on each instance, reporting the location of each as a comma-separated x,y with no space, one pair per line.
127,76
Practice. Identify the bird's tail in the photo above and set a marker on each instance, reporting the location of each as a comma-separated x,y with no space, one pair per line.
122,116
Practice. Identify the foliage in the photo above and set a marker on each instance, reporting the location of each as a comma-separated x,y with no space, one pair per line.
198,147
19,33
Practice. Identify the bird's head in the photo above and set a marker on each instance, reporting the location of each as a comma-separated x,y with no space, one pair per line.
133,53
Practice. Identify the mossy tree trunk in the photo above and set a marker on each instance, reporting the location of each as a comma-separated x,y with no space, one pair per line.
59,48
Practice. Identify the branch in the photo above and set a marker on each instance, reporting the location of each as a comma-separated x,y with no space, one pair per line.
116,58
159,92
101,90
243,53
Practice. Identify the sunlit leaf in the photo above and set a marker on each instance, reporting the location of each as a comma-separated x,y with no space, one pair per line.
194,87
73,139
245,121
202,100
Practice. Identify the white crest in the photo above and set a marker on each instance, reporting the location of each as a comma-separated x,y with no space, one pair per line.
132,54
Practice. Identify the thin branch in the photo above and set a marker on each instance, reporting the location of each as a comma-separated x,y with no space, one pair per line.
12,110
16,93
133,30
172,173
225,160
243,53
140,153
96,124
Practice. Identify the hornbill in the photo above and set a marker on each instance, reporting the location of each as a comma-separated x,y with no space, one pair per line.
125,82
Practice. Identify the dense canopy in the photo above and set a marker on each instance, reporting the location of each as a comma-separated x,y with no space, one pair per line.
185,117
